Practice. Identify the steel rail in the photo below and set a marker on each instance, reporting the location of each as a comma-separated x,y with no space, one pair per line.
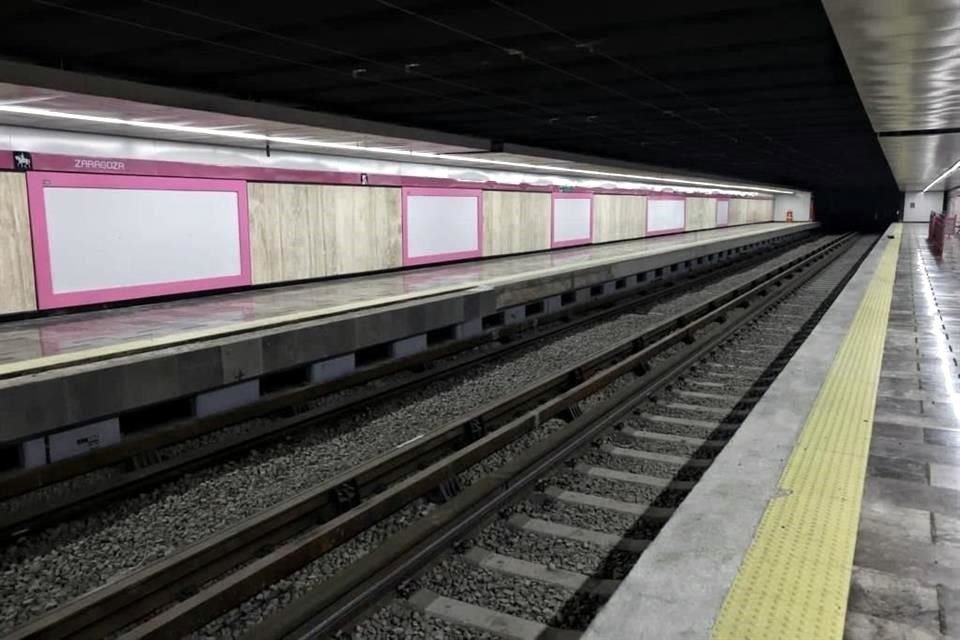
43,514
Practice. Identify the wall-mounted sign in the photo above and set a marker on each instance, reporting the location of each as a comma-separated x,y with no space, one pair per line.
22,161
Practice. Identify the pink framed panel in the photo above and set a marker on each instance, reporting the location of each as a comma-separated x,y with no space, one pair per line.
48,297
556,197
664,231
417,223
722,220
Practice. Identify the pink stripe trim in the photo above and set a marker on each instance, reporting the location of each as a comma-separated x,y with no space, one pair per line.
409,260
48,299
166,168
163,168
567,195
662,232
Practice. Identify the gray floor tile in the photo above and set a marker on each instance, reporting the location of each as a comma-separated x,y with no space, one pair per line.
909,433
859,626
898,523
920,452
895,598
946,530
945,476
898,468
949,597
942,437
929,564
915,495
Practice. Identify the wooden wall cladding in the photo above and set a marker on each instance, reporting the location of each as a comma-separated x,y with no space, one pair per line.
515,222
761,210
750,211
701,213
17,292
302,231
618,217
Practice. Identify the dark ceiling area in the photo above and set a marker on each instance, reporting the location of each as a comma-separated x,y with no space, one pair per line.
756,89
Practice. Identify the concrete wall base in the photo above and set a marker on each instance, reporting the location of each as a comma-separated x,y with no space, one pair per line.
70,443
236,395
333,368
409,346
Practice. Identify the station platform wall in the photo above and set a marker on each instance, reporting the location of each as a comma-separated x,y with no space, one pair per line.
69,239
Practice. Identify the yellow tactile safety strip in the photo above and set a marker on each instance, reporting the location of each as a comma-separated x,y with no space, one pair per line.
794,581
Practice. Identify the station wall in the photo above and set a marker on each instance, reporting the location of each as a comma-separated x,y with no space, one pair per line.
796,207
917,205
953,201
281,231
302,231
17,292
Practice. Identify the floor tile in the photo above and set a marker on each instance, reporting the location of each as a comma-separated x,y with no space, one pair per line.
949,597
929,564
899,523
915,495
945,476
859,626
920,452
898,468
942,437
946,530
895,598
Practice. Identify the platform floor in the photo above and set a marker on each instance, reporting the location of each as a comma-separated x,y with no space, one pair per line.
96,334
906,573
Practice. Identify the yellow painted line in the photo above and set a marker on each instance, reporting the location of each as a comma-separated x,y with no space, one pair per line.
44,363
794,581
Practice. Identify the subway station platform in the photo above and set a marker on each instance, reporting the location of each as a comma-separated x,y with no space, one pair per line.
835,510
62,371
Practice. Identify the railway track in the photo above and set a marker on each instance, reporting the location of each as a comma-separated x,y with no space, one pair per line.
150,459
187,589
535,547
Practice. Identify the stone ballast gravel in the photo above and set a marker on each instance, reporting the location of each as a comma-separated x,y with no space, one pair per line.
237,622
624,491
557,553
398,621
522,597
594,518
52,566
600,458
656,446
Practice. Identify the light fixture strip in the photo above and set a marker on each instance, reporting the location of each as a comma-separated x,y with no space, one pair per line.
943,175
435,157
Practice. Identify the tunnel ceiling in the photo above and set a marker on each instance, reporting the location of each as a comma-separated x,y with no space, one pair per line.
753,89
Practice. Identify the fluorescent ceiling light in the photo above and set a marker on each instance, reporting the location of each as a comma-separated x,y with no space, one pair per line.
434,157
943,175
